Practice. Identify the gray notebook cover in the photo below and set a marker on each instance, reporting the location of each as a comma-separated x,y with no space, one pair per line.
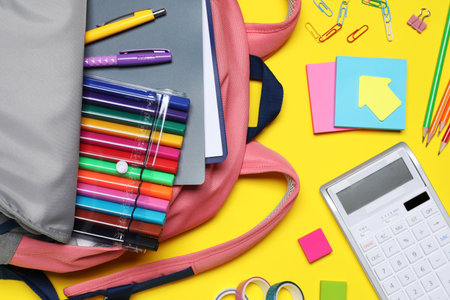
180,31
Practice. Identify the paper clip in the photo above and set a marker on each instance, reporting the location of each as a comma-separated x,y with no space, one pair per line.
313,31
417,22
385,10
342,12
357,33
373,3
332,31
324,7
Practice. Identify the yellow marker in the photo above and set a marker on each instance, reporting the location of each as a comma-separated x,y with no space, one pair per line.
376,94
137,18
131,132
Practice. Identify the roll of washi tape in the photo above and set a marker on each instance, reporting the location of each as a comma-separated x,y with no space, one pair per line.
227,292
292,288
261,282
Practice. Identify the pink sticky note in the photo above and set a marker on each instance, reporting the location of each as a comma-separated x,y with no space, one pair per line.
321,86
315,245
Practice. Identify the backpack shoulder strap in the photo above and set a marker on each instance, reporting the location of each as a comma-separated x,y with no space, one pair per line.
258,159
265,39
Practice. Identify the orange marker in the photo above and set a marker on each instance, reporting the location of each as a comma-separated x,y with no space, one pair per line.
125,184
440,112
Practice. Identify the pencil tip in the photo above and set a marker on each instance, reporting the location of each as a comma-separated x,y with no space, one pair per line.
426,145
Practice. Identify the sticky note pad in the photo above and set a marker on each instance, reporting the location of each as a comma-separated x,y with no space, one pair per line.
315,245
370,93
321,86
333,290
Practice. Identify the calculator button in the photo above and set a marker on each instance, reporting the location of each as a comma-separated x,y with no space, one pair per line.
444,277
429,245
398,227
399,262
429,282
391,285
443,237
406,277
413,219
405,239
375,257
413,254
438,294
436,222
447,252
390,248
383,271
367,245
399,296
437,259
428,211
421,231
414,291
383,236
422,268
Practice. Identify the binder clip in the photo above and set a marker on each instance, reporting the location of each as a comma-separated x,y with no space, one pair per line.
417,22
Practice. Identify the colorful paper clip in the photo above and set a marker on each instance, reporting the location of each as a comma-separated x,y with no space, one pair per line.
417,22
332,31
357,33
342,12
324,7
374,3
313,31
386,12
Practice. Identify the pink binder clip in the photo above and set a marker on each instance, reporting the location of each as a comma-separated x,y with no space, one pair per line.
417,22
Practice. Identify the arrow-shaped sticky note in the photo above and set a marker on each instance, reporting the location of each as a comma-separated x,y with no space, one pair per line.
376,94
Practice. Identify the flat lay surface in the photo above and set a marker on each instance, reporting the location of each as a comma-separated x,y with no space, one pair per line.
317,158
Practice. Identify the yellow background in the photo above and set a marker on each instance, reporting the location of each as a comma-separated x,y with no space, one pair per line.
316,158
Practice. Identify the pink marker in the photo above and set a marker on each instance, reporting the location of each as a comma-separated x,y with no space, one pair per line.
125,198
124,144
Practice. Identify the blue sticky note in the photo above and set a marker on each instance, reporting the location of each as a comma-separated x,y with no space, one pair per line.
358,79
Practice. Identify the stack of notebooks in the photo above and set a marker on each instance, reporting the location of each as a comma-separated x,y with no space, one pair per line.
130,143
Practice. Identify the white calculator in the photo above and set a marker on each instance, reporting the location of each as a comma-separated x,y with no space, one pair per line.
396,225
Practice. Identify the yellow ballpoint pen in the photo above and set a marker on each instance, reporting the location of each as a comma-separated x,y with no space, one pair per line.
136,18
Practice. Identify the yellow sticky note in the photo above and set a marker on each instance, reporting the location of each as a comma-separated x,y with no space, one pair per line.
374,92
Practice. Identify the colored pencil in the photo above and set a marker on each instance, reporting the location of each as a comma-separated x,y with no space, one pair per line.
437,76
439,114
118,222
154,163
445,140
107,167
110,101
125,184
128,145
120,210
444,118
122,117
125,198
131,132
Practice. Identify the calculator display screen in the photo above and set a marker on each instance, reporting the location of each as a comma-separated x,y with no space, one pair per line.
374,186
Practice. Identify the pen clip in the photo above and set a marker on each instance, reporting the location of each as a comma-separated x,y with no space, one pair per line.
120,17
153,50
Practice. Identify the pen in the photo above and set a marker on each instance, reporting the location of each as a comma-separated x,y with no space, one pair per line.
130,58
109,28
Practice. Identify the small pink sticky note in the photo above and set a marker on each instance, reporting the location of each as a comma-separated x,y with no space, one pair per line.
321,86
315,245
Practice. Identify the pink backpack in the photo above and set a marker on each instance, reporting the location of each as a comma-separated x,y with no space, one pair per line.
235,40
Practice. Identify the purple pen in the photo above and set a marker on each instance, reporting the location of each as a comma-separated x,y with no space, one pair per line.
130,58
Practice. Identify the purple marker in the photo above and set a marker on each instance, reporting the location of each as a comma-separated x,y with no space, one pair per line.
130,58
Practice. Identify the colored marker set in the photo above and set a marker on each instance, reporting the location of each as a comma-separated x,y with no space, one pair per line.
130,144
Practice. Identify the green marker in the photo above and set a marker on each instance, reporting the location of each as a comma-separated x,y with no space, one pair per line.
437,77
122,117
110,168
